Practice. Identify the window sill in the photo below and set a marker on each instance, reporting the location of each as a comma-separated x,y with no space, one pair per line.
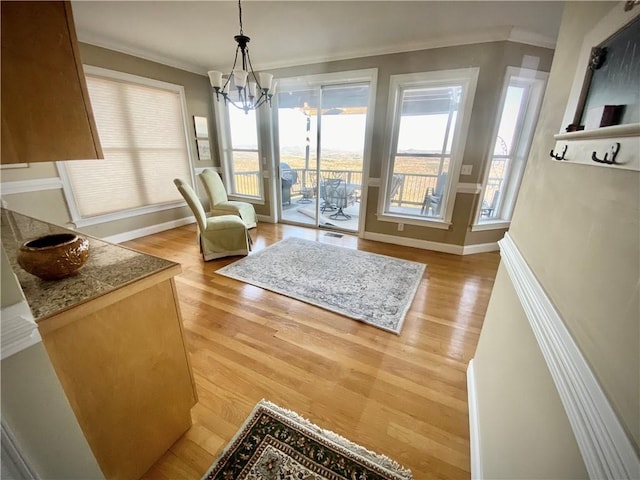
112,217
490,225
240,198
429,223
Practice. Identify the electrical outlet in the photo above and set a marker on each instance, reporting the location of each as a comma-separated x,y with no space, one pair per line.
466,169
400,227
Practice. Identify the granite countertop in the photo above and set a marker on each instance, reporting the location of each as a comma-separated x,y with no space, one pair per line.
108,268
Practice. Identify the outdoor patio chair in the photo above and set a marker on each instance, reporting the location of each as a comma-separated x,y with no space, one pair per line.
433,198
336,195
219,203
219,236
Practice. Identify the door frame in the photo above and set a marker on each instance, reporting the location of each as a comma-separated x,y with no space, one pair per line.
369,76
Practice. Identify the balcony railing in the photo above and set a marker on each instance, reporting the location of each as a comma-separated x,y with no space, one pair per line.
411,193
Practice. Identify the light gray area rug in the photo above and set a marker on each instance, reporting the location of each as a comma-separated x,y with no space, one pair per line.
372,288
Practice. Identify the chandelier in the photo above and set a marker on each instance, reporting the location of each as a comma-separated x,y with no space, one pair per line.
250,92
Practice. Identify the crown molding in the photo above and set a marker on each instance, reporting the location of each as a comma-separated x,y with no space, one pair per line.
506,33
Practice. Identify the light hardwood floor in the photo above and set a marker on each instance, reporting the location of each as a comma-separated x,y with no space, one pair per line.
404,395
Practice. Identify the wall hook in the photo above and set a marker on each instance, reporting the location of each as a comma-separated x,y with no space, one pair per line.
608,160
559,157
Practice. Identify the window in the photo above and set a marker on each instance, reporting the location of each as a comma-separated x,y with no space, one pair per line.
429,116
240,151
141,124
518,114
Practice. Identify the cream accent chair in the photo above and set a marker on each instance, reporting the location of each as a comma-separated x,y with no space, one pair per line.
220,236
219,204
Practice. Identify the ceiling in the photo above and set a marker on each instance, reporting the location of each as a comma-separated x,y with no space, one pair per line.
198,35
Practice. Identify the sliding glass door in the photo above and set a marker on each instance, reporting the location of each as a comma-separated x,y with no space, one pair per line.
322,133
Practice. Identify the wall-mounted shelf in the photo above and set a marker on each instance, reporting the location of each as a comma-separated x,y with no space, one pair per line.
579,147
606,78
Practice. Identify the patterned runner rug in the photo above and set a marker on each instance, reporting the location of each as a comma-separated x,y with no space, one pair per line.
276,444
372,288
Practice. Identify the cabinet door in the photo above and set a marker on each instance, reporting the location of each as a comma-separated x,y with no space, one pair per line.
46,113
125,370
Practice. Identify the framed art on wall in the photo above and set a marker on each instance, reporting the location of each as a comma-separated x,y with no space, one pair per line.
202,137
204,151
201,127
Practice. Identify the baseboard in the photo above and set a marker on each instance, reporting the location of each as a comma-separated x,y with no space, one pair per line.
141,232
474,426
435,246
265,218
480,248
607,451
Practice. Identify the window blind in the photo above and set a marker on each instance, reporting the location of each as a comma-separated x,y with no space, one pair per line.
142,132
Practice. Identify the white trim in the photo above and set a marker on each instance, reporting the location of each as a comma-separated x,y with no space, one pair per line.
374,182
112,217
367,76
94,71
8,166
141,232
473,188
429,245
535,82
480,248
467,80
607,451
76,217
13,458
493,34
490,225
266,218
247,199
520,35
614,131
318,80
199,170
474,424
19,329
413,220
27,186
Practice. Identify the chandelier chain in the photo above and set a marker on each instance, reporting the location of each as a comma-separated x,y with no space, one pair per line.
240,16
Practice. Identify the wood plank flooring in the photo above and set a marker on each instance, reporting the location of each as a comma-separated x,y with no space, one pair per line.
404,395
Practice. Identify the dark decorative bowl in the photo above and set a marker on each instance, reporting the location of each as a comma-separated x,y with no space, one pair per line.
53,257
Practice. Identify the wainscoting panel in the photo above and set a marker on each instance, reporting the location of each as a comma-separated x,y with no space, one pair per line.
607,451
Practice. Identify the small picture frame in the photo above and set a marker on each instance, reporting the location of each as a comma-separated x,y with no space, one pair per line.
201,127
204,150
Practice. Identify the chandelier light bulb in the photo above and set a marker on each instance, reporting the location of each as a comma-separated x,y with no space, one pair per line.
252,89
215,78
265,80
240,77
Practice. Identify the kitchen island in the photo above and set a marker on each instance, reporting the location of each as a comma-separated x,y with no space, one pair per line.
113,332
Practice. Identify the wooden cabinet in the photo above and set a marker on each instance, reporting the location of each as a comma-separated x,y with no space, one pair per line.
123,364
46,112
